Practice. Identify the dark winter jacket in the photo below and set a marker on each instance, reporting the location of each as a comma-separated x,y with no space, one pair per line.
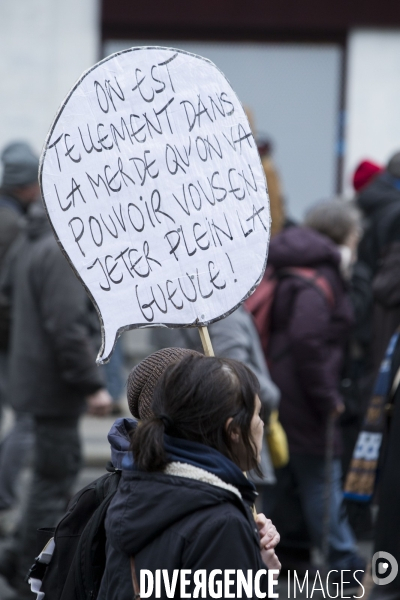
307,337
386,290
11,213
379,203
52,361
360,291
11,223
387,528
184,518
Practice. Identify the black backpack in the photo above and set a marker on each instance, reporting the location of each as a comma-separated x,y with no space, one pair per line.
78,561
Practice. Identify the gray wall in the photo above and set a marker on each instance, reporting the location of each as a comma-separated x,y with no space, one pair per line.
293,92
373,98
45,45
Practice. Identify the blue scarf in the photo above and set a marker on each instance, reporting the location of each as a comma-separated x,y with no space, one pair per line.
395,182
363,471
203,457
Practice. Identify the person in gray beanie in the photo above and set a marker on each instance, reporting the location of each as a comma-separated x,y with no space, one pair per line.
20,166
393,166
379,203
19,187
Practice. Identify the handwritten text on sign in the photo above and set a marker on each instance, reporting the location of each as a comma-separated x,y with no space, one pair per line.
153,184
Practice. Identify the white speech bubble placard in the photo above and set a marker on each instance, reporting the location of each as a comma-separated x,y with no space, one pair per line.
155,190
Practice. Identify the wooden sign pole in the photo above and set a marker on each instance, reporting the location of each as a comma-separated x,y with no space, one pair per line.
206,341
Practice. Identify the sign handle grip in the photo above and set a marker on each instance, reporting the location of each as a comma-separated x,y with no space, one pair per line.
206,341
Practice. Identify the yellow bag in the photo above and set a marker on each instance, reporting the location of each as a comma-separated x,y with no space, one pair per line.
277,442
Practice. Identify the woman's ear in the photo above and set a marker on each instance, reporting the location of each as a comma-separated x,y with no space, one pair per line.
234,433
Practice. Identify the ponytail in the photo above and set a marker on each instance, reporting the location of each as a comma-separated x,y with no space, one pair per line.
147,444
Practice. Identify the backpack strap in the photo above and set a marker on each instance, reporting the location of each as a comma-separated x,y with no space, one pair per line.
312,277
90,552
135,582
38,569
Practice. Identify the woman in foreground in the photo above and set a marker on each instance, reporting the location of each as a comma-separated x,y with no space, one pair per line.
183,502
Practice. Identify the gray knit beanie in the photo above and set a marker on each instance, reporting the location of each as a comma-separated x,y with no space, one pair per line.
20,165
393,166
144,377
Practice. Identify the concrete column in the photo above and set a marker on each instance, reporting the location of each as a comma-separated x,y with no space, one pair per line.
45,45
373,98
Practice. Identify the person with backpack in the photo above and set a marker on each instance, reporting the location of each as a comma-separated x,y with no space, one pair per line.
183,501
76,559
378,200
309,321
52,376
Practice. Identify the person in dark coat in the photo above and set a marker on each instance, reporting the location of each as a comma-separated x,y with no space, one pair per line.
386,290
19,187
377,201
387,538
309,327
183,501
52,376
356,385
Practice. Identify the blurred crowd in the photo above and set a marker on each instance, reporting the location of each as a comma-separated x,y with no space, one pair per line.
321,333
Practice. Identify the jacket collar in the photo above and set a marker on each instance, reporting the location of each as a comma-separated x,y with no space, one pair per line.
179,469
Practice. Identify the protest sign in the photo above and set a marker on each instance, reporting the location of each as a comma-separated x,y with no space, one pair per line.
155,191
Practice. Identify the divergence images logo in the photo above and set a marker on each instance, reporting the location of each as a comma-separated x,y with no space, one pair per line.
384,563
